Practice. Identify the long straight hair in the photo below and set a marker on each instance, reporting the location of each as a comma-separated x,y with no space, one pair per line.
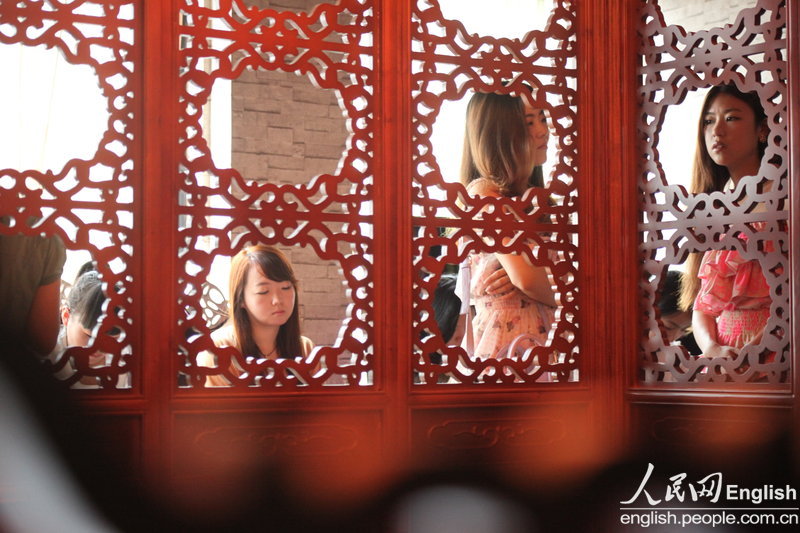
496,143
708,177
276,266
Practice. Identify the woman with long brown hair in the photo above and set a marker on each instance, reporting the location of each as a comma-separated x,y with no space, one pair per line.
505,139
729,294
264,319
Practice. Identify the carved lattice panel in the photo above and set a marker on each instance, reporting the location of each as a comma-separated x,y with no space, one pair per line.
87,201
449,64
326,215
752,219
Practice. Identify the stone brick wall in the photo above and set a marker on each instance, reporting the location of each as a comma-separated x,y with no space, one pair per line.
285,130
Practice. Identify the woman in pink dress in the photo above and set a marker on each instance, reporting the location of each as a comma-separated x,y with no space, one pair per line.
505,139
729,294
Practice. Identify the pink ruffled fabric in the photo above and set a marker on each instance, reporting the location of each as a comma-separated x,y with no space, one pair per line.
735,291
742,326
728,282
500,319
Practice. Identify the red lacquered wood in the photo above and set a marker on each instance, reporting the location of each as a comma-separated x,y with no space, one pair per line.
393,221
608,212
157,218
451,61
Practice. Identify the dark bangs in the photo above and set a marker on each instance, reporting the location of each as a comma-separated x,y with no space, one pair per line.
273,266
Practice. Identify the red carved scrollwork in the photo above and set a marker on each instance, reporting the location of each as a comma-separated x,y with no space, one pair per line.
750,52
88,202
498,434
449,63
299,440
330,214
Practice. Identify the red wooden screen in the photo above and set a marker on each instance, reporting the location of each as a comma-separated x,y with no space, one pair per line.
751,52
91,204
330,214
450,64
687,402
362,422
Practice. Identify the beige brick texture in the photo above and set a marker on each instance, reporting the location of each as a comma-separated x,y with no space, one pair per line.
286,131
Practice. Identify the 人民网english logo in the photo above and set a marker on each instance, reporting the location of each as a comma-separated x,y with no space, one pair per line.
708,500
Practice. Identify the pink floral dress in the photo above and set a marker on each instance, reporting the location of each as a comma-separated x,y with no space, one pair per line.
735,291
499,319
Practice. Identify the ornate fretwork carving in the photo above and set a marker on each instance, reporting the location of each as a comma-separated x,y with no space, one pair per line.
88,203
223,209
750,52
449,64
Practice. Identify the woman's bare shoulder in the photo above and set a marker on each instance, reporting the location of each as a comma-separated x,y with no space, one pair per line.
483,187
224,336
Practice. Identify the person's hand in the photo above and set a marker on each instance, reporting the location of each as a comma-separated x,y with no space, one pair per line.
756,339
498,283
727,352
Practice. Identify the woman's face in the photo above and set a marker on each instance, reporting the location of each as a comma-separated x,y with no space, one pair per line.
267,302
539,133
732,135
677,324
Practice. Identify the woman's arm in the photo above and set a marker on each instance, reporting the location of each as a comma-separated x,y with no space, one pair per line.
206,359
41,329
533,281
209,360
704,327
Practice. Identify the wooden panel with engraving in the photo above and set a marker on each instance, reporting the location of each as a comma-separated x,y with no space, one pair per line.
224,209
751,220
88,200
449,63
239,450
519,435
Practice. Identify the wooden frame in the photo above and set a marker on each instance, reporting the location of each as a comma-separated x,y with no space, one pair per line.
392,430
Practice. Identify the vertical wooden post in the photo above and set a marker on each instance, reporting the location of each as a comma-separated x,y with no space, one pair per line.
392,208
608,207
157,223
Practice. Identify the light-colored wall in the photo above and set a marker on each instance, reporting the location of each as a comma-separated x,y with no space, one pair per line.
677,140
696,15
285,131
